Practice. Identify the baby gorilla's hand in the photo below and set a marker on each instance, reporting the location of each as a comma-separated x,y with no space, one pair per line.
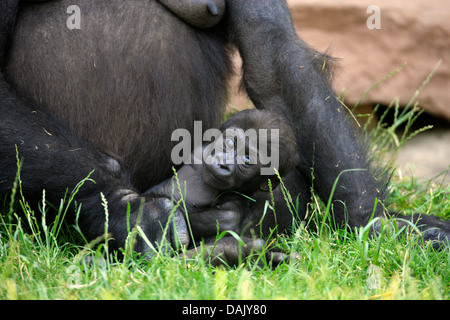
163,228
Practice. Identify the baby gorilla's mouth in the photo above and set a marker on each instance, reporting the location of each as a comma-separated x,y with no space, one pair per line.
222,169
218,176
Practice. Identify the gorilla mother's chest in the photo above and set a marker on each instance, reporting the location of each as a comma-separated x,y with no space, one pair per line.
124,81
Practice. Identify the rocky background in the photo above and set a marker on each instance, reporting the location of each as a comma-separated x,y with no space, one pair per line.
370,47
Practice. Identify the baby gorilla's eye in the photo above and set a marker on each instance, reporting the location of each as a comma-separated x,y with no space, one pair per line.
246,160
229,143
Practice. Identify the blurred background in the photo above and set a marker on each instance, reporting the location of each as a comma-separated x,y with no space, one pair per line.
410,31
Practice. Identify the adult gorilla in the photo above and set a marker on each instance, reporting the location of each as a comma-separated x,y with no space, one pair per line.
108,96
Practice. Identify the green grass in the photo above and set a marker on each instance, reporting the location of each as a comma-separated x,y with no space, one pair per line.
40,261
333,264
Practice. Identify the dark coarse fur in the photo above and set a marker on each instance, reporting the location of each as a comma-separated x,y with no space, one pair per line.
108,96
297,84
287,148
252,220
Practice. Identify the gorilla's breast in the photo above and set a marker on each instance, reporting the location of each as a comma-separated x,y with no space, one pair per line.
125,80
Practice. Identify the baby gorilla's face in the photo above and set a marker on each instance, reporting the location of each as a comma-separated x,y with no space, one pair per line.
234,164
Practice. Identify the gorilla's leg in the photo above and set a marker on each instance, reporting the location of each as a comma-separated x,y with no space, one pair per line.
281,73
56,160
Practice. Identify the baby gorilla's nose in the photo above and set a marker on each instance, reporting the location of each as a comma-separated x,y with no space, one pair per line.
224,169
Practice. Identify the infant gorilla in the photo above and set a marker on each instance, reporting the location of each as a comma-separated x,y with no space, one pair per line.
219,190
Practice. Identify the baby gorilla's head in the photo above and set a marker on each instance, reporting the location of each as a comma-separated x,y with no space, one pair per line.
253,143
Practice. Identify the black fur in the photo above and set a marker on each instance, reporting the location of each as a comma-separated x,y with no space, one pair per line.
107,98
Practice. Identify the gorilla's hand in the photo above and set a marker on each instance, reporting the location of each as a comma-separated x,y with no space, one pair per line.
164,227
230,252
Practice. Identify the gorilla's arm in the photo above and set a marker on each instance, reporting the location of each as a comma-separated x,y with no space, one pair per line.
283,74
